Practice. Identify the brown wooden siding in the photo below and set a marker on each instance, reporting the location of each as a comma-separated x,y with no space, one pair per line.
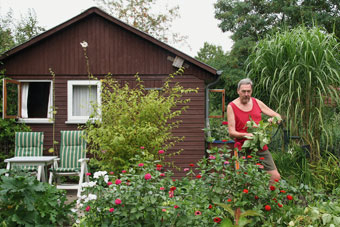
112,49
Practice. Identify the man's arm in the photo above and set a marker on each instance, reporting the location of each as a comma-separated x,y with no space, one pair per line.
266,110
231,125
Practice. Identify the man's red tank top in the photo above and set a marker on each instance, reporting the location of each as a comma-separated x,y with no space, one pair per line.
241,118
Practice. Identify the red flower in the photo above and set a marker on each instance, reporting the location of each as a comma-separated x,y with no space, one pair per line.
176,206
280,205
171,194
245,191
142,147
88,174
249,156
238,145
261,158
118,201
289,197
224,140
256,197
276,180
159,167
245,173
210,206
123,171
111,210
225,123
88,208
198,212
111,173
118,181
272,188
192,165
147,176
162,175
198,176
173,188
109,183
161,152
217,220
161,188
229,200
141,164
283,191
267,208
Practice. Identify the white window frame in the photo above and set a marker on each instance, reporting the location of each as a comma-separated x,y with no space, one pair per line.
80,119
47,120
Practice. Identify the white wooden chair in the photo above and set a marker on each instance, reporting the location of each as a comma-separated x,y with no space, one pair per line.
72,160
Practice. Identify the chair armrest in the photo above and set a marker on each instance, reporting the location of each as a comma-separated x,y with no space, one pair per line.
83,159
55,162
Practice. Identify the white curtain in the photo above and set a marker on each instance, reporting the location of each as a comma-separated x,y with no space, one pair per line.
84,96
24,98
50,103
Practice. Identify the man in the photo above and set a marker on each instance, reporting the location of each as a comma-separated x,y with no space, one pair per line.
238,112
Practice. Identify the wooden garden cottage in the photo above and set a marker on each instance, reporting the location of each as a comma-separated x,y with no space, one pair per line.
114,47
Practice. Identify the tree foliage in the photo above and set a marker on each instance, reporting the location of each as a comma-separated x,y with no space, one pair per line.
145,16
14,32
254,18
299,70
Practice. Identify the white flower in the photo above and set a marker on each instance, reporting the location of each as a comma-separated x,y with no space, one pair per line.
106,178
90,197
84,44
291,223
74,210
89,184
99,173
77,221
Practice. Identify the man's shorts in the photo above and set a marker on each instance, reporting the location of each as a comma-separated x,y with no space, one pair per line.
268,162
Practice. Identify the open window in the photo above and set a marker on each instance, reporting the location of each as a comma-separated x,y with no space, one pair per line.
83,96
220,93
30,101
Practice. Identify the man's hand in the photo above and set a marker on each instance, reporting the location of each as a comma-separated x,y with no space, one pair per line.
249,136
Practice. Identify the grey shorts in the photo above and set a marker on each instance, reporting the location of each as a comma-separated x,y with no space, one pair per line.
268,162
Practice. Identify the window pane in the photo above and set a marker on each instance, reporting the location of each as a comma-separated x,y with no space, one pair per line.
84,97
37,101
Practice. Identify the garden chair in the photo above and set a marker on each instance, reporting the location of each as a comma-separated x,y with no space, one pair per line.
72,160
29,144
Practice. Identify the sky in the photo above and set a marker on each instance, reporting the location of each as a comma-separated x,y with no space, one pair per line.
197,19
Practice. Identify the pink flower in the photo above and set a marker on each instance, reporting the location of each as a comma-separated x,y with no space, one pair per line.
176,206
118,201
111,210
111,173
161,188
162,174
147,176
142,147
88,208
171,194
88,174
109,183
123,171
186,169
159,167
118,181
163,210
198,212
141,164
226,163
243,157
225,123
161,152
212,157
103,151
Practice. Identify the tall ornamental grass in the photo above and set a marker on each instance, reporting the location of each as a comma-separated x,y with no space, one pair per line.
297,73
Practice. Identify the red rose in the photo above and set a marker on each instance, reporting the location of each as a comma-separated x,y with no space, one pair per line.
289,197
267,208
272,188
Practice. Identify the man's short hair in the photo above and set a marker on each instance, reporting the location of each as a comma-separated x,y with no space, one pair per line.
244,81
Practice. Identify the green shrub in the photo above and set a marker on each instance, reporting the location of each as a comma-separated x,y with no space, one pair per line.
132,117
24,201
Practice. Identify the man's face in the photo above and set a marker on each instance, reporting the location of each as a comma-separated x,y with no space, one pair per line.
245,93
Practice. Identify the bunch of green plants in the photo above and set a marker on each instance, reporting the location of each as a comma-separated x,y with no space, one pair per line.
218,130
8,127
132,117
297,71
24,201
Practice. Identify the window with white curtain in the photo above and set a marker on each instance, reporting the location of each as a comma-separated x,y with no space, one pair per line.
83,96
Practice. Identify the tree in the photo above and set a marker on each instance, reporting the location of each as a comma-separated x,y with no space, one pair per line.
299,70
145,16
14,32
254,18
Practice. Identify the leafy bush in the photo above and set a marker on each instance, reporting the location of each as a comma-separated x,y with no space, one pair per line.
24,201
132,117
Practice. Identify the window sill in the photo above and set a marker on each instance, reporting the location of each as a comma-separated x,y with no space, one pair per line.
80,121
36,121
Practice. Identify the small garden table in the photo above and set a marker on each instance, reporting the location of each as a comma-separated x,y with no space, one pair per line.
41,161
